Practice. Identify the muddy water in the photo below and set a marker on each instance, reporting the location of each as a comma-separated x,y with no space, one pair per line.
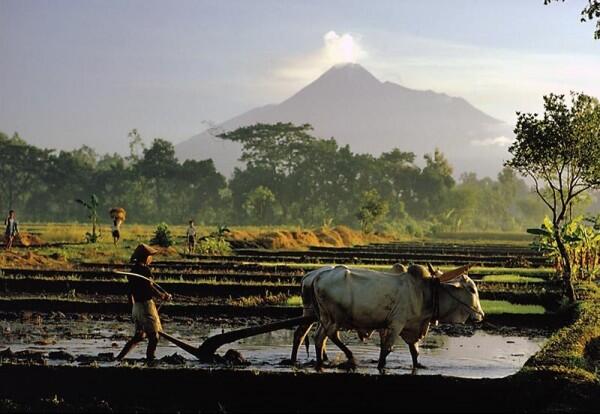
480,355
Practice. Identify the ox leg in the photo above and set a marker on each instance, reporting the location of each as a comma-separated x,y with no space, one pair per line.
388,339
321,331
299,337
414,353
320,339
335,338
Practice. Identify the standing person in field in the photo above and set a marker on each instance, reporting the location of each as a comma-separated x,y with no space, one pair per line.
141,293
117,214
12,228
116,231
191,237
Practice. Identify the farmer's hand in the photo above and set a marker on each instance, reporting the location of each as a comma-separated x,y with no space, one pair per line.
167,297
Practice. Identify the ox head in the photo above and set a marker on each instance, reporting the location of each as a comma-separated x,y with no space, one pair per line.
462,296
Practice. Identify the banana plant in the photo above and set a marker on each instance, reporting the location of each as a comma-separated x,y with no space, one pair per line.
221,232
92,208
582,243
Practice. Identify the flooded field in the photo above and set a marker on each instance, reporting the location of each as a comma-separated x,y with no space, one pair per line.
70,341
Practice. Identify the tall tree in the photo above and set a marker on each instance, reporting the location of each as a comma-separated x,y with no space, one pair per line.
274,146
432,185
158,166
589,12
559,152
20,166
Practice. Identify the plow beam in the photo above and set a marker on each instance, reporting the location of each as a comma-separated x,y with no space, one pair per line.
206,351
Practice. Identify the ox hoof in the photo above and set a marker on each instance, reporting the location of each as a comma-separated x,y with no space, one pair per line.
349,365
319,368
419,366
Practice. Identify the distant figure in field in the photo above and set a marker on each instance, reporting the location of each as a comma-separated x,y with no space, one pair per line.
118,216
12,228
191,237
116,232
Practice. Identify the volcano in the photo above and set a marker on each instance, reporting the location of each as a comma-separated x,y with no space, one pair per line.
350,104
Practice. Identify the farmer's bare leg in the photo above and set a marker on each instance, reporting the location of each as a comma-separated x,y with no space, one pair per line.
152,343
137,338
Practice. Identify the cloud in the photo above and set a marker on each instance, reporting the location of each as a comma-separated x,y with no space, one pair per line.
498,81
342,49
297,71
500,141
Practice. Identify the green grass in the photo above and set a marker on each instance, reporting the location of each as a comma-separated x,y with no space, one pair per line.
541,272
565,353
489,306
513,238
502,306
513,278
294,301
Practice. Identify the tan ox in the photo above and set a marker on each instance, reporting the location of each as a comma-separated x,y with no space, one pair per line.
366,300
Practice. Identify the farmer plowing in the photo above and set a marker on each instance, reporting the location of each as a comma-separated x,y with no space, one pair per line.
141,293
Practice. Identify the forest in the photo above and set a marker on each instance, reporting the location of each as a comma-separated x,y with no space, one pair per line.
289,177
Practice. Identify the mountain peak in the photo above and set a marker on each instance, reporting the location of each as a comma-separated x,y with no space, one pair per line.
349,103
349,71
343,78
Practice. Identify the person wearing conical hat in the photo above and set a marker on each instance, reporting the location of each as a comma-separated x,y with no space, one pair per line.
141,293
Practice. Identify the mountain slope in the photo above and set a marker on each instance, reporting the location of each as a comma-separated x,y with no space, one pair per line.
350,104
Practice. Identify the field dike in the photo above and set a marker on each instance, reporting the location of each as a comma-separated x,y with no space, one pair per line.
300,239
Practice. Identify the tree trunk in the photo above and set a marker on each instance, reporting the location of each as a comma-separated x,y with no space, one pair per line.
567,282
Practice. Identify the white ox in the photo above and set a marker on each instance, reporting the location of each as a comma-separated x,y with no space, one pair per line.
394,305
300,335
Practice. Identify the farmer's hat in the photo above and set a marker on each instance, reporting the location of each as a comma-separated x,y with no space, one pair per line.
142,252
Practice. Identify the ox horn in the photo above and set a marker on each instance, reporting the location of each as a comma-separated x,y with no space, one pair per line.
453,274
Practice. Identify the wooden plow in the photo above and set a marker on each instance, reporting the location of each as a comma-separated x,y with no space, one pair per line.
206,351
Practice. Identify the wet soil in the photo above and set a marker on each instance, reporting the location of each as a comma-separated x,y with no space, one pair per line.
69,339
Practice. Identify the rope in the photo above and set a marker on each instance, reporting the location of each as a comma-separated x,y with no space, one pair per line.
470,307
435,299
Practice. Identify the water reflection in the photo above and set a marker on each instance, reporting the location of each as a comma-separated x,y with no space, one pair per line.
476,356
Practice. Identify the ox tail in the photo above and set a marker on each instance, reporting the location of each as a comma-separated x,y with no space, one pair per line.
307,345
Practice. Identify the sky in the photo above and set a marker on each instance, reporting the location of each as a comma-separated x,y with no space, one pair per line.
76,72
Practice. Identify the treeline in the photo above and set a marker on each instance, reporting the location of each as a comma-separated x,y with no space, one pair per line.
289,177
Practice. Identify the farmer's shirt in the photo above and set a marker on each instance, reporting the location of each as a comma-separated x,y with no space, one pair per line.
141,289
12,227
191,231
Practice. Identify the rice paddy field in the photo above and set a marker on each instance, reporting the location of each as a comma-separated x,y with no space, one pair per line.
64,315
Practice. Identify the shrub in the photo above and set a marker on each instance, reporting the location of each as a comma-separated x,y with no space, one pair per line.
372,209
213,246
162,236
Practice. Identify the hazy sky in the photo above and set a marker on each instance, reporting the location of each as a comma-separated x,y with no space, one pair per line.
86,72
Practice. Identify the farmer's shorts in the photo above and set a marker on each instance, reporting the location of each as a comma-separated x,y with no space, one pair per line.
145,316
